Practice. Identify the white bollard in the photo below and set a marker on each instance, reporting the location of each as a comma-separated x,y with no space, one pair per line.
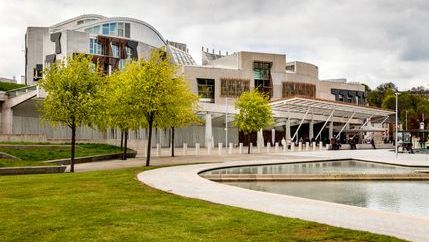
231,145
268,147
299,146
240,148
197,148
314,146
251,147
292,146
276,147
219,146
320,145
209,148
185,148
158,150
307,146
258,147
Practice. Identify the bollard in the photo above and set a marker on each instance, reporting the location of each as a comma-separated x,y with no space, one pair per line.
314,146
219,146
230,148
209,148
307,146
268,147
292,146
320,145
197,148
251,147
276,147
258,147
240,148
185,148
158,150
299,146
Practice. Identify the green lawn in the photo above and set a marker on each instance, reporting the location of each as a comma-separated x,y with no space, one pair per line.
114,206
6,86
33,155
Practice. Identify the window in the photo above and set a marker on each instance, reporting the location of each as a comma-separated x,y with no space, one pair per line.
121,64
290,68
128,52
233,87
113,29
38,72
261,71
105,29
206,90
115,51
121,29
291,89
94,47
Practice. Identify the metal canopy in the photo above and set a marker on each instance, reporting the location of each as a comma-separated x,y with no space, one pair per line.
325,107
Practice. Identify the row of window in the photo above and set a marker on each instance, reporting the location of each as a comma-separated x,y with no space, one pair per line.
120,29
96,48
234,88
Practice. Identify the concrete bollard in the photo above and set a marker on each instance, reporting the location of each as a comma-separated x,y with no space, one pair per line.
276,147
258,147
292,146
240,148
219,146
231,146
185,148
209,148
158,150
307,146
251,147
197,148
268,147
299,146
314,146
320,145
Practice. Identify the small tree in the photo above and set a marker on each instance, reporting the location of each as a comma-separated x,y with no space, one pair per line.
154,85
72,87
254,112
181,112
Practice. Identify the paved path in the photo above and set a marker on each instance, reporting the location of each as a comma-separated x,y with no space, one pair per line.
185,181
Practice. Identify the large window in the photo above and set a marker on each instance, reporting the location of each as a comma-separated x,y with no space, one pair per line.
233,87
262,76
94,47
115,50
291,89
206,90
120,29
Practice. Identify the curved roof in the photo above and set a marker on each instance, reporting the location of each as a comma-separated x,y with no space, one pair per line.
75,19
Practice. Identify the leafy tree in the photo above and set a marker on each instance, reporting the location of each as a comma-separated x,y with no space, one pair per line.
182,110
254,112
72,86
154,85
376,96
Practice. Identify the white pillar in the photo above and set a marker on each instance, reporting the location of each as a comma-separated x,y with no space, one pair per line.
260,139
268,147
251,147
331,129
320,145
208,130
311,130
273,136
209,148
240,148
230,148
307,146
219,146
300,146
292,146
287,133
314,146
276,147
197,148
185,148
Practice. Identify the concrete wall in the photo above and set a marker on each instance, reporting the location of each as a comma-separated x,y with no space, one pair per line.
34,50
324,88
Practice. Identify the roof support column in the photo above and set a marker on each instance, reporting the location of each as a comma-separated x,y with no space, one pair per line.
324,125
342,129
287,130
208,130
299,126
311,130
331,129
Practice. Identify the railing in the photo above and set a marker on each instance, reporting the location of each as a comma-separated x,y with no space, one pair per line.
20,91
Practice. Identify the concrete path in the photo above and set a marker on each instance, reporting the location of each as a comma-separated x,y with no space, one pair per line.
185,181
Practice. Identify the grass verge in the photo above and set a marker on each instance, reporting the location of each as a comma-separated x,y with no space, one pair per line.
33,155
114,206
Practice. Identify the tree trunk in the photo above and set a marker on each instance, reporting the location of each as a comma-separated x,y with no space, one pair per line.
172,141
248,146
124,156
150,121
122,139
73,144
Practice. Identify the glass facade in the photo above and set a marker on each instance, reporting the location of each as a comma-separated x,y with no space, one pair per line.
115,51
95,47
206,90
234,87
262,76
112,29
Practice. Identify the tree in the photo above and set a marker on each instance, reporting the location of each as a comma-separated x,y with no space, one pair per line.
154,85
72,86
254,112
181,112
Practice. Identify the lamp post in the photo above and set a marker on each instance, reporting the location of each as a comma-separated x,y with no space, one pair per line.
396,125
226,122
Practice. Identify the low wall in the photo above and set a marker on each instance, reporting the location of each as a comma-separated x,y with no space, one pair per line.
130,154
31,170
23,138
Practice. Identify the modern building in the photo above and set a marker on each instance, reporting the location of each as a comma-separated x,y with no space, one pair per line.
304,107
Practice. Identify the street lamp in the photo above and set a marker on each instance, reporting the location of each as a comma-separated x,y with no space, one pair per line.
396,125
226,122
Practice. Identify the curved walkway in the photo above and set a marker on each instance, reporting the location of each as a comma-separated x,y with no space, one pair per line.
185,181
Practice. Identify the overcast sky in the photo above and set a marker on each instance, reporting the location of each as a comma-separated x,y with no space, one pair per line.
369,41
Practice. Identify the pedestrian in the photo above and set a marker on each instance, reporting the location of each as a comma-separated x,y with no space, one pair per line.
373,143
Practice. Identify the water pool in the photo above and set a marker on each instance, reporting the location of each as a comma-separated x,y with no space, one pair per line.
322,167
408,197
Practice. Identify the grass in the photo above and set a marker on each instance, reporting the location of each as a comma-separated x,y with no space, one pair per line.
33,155
6,86
114,206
